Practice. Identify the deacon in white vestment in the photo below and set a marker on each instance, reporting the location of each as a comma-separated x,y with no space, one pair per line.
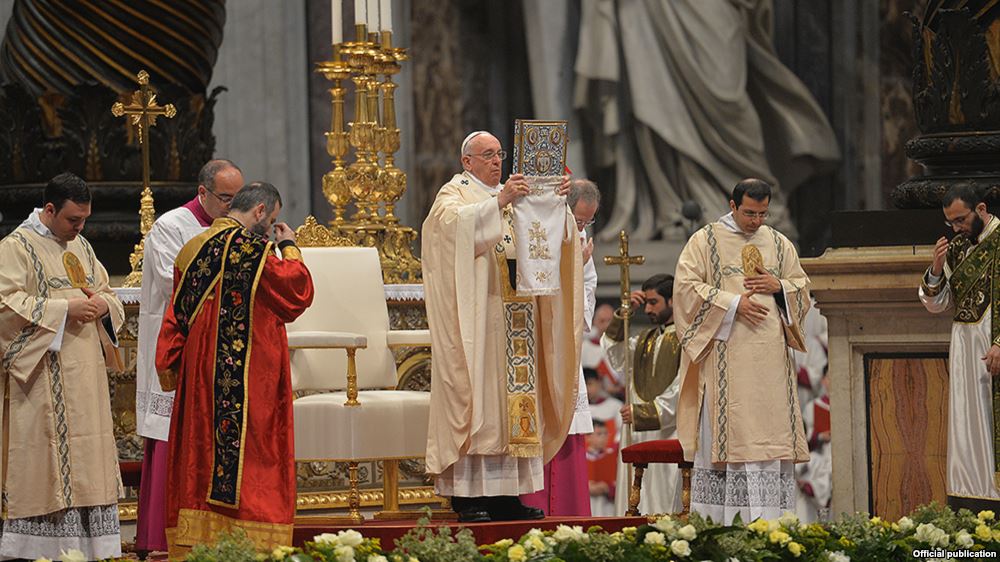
506,366
654,388
218,182
962,278
59,469
740,300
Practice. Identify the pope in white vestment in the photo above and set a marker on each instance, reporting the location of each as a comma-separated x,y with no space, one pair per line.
219,180
506,367
962,279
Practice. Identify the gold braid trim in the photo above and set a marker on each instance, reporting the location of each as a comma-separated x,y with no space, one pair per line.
196,527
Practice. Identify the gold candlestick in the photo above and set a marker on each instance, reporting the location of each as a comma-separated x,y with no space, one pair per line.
362,173
335,185
393,179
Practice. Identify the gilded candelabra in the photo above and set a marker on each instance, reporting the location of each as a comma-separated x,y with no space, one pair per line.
372,187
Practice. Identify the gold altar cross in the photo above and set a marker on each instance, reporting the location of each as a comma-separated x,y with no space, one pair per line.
624,261
142,113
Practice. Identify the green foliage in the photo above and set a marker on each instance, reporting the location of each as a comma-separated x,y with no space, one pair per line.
425,545
857,538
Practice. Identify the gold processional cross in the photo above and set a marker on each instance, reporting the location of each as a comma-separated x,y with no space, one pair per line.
624,261
142,113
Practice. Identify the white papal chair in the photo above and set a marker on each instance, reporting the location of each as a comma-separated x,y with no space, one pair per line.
358,417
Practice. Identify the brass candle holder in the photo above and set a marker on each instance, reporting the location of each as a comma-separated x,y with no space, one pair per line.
373,135
362,174
335,184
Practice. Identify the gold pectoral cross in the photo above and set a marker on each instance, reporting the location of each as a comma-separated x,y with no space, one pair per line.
142,113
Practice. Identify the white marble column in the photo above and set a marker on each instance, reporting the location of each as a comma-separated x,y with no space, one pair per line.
261,123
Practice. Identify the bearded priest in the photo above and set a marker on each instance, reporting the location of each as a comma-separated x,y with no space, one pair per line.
223,347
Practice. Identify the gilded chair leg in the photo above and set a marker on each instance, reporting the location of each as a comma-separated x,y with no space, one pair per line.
685,491
636,491
390,493
354,495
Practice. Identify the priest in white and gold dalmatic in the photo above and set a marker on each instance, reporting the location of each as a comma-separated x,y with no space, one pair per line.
505,370
963,278
58,319
740,299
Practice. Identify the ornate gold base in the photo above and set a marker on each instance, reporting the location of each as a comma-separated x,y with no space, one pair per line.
328,520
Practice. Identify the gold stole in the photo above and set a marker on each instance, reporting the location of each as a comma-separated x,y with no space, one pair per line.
520,366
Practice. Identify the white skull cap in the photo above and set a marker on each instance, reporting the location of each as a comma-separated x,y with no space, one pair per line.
469,138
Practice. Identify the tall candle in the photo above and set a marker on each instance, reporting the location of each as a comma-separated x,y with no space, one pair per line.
337,21
385,15
373,25
360,12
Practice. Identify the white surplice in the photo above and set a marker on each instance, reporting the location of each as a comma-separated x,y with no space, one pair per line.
583,422
970,396
169,233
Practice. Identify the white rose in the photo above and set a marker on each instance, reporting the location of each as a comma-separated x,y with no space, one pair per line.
72,555
344,553
789,520
680,548
905,523
838,556
925,533
687,532
325,538
653,537
350,538
665,524
963,538
377,558
566,533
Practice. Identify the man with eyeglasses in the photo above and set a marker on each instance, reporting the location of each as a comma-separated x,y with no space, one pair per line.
740,301
567,487
506,366
963,277
218,181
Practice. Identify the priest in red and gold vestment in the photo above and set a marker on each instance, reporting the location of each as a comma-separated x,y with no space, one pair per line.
224,348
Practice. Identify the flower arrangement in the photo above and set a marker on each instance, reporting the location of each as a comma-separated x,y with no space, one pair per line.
930,532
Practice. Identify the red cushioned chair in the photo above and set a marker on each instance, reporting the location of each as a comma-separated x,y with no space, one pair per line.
657,451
